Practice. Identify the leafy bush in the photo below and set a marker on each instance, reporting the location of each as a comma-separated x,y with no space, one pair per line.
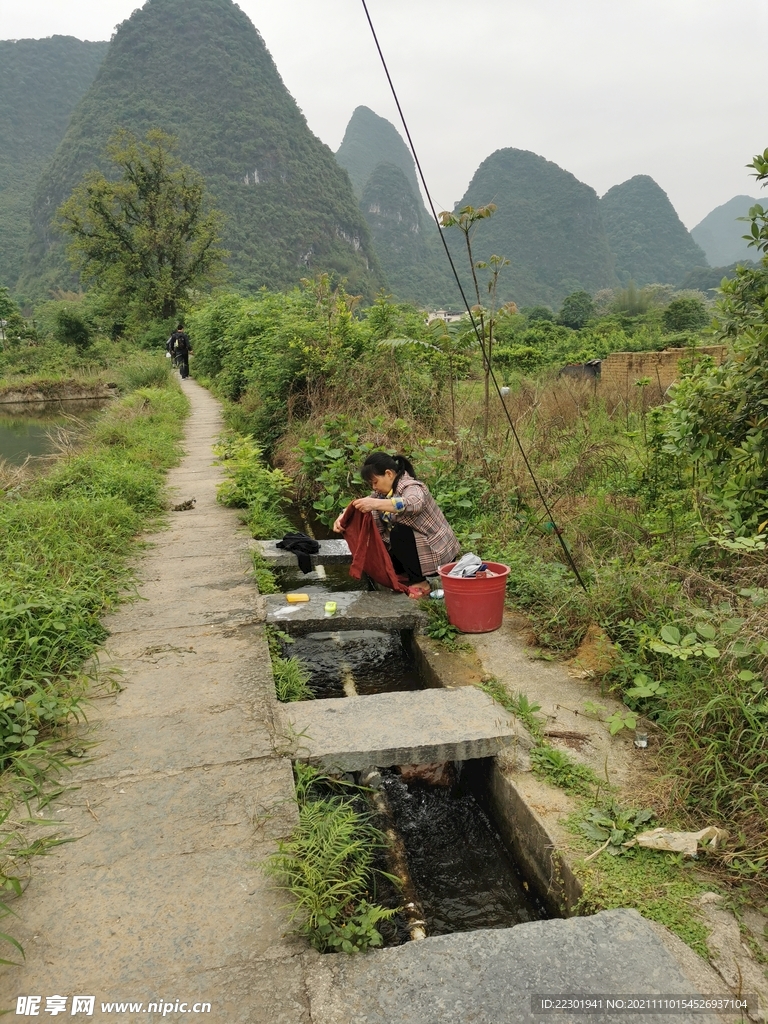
576,310
253,486
327,866
685,314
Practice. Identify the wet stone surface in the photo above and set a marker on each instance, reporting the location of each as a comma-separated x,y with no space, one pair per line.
354,610
328,577
363,661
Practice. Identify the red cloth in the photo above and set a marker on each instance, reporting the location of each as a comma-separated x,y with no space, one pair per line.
369,553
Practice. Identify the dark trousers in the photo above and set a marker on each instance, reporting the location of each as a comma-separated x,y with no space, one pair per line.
404,554
183,360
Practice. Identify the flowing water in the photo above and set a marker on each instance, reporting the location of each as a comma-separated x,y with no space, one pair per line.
464,876
362,661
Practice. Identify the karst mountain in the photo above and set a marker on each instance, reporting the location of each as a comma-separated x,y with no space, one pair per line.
648,240
720,233
405,236
199,70
41,83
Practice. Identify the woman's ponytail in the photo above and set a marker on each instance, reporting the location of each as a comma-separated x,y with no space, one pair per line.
404,466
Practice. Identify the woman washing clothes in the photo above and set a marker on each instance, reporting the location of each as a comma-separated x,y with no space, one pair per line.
414,530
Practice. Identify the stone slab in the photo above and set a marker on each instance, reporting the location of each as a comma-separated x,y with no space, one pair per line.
489,977
172,743
195,910
332,552
355,609
398,728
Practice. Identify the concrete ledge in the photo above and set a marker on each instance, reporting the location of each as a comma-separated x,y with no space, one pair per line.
332,552
490,976
399,728
356,609
527,838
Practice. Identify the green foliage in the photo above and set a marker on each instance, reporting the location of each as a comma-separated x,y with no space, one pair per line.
146,239
576,310
717,422
648,240
14,326
685,314
63,561
327,866
263,575
438,627
660,885
41,81
288,206
252,485
144,372
518,704
558,768
291,680
71,328
613,825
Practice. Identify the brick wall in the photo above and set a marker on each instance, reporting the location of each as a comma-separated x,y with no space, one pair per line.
620,370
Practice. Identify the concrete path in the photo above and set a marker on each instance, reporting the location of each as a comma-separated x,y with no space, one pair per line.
161,898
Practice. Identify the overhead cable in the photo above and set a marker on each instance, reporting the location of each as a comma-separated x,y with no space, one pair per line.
478,332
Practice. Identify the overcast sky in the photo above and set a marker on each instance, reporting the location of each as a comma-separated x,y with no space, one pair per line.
604,88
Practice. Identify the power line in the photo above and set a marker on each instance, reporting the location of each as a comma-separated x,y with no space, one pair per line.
478,334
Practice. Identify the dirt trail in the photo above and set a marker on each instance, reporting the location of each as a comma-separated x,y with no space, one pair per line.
161,898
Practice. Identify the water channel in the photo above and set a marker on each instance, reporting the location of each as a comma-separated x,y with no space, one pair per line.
463,875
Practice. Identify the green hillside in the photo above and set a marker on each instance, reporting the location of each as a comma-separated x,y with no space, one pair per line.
720,233
404,234
649,241
406,239
41,83
368,141
198,69
547,224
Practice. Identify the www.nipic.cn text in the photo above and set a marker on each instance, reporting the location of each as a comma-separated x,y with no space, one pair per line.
35,1006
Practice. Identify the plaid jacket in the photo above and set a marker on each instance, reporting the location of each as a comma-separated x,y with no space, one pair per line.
435,541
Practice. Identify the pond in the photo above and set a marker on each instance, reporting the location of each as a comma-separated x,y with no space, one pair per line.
25,430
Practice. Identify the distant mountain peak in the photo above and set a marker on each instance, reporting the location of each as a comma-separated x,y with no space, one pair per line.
368,141
720,233
648,240
199,70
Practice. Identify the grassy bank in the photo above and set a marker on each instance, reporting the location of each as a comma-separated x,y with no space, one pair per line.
65,561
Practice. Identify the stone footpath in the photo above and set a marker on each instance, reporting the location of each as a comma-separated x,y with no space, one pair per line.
161,899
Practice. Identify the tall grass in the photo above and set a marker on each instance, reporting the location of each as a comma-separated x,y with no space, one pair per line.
63,562
66,541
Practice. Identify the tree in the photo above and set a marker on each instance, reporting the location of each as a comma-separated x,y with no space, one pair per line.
11,321
466,221
685,314
718,419
148,238
577,308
